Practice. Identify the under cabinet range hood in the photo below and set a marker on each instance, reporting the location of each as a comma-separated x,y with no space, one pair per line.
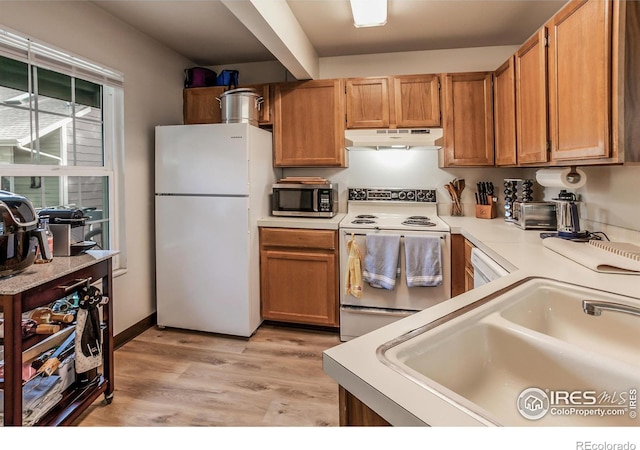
387,138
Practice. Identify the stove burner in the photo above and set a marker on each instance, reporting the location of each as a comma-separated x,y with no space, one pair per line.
363,221
418,222
425,218
366,216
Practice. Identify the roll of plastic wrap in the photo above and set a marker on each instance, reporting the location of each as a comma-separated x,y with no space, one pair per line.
558,178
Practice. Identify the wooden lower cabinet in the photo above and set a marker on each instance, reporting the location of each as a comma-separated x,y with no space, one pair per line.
461,268
355,413
457,265
299,276
468,267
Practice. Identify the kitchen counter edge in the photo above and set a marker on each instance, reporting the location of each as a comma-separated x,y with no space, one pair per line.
38,274
319,223
355,365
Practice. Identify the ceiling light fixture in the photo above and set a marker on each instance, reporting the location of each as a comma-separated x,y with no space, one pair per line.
369,13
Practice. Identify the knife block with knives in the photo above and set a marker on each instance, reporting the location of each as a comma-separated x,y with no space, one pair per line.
486,203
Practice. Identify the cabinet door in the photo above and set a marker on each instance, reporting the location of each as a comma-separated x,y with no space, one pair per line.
367,102
531,100
579,80
468,119
468,267
504,113
264,90
308,125
417,101
299,286
457,265
200,105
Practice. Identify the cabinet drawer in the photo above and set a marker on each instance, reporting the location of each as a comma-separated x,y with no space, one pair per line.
298,238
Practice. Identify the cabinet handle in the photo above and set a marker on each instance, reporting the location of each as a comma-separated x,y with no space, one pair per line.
86,281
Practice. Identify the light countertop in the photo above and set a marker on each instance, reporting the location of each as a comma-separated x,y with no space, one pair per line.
302,222
355,366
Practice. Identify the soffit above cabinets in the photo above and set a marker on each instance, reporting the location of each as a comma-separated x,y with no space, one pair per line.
299,32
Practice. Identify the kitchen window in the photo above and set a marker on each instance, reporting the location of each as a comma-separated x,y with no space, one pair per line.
62,135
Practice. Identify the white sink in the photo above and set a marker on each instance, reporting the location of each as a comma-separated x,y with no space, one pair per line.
556,310
534,335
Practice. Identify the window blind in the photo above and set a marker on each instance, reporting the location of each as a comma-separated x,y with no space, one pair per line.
25,49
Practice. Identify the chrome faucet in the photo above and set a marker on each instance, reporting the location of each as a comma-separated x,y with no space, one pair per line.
595,308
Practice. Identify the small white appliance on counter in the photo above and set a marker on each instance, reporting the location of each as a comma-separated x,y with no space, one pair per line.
212,184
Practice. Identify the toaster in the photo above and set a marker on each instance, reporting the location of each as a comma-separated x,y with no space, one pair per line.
535,215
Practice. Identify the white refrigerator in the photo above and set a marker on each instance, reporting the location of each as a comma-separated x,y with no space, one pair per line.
212,183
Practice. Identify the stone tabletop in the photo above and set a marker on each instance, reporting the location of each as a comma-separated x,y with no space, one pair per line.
38,274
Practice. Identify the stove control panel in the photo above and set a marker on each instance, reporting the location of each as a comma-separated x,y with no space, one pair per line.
397,195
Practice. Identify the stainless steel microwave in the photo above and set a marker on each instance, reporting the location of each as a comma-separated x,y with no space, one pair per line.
304,200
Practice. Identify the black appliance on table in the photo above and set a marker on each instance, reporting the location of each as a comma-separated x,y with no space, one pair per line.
19,234
67,226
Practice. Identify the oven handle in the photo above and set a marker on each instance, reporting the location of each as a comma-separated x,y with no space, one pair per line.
348,233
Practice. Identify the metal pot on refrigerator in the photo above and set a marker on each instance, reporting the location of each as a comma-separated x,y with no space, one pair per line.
240,106
19,234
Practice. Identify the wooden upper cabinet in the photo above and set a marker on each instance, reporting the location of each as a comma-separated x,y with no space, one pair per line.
367,102
579,80
417,101
201,105
531,100
468,119
504,113
308,125
406,101
265,115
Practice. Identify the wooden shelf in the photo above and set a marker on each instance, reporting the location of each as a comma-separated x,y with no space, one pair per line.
38,286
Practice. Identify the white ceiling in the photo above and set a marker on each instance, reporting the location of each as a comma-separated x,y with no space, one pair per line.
209,33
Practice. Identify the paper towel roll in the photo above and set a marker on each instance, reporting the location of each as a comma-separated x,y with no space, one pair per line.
558,178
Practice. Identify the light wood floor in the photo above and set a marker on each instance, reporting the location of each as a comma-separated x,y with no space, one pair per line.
179,378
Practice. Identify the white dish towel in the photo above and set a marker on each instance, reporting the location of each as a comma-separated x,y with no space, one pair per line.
381,260
423,260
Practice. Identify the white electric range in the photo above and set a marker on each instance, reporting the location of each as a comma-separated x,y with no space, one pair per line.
392,211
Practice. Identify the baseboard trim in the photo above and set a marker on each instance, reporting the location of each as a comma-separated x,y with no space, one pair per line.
305,326
134,330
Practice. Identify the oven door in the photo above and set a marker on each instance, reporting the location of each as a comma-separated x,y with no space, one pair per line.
402,297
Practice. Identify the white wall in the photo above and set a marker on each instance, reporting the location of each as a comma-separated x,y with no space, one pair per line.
382,64
609,201
258,72
153,96
415,168
407,63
